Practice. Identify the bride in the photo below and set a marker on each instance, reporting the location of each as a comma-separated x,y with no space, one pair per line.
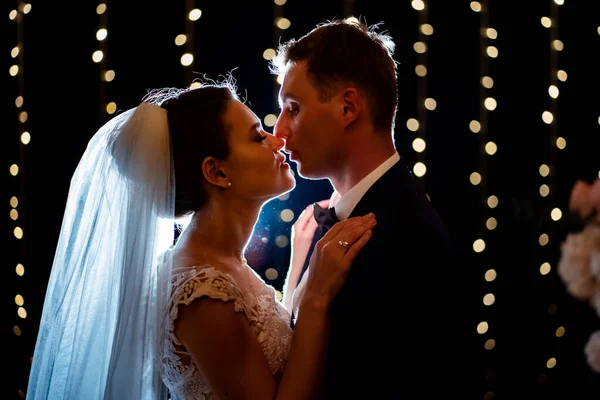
200,323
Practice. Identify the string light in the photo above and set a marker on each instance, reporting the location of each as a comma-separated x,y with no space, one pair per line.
286,215
547,169
280,24
349,11
487,149
270,119
186,40
424,104
17,212
100,57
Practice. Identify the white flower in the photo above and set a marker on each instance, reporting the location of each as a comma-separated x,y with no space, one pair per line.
595,302
592,351
595,263
578,266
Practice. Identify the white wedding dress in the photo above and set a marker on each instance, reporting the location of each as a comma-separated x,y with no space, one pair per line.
267,317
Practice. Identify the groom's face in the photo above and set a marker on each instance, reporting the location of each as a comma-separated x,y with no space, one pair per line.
312,129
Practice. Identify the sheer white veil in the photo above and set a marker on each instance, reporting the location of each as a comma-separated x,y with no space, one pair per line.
101,333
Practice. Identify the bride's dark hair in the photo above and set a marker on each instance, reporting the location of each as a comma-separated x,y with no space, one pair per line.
198,130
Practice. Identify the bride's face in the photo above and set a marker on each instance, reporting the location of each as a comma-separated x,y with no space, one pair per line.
256,166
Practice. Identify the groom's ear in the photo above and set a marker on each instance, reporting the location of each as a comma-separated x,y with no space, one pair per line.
353,104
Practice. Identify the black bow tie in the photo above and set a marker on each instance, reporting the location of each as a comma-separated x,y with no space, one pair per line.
326,218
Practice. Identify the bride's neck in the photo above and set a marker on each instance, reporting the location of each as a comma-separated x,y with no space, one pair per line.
221,230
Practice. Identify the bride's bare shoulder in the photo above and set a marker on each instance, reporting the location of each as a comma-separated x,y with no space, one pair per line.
185,259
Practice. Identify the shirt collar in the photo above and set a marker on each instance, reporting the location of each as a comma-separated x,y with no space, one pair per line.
344,205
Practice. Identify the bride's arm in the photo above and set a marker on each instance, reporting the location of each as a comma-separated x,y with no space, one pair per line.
230,358
227,352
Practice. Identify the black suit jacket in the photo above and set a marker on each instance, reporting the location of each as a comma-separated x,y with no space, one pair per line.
399,326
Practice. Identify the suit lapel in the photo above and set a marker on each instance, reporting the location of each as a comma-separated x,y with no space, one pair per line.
396,185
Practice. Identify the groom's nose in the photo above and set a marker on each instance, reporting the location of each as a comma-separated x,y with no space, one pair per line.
281,130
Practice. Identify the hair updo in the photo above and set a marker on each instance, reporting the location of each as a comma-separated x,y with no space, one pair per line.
198,130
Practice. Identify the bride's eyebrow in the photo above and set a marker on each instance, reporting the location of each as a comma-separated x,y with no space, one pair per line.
254,127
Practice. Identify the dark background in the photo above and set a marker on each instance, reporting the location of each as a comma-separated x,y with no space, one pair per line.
65,99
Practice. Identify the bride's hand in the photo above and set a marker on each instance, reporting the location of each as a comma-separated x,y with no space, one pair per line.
333,256
303,231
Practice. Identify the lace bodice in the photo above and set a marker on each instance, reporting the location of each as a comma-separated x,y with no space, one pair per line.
267,317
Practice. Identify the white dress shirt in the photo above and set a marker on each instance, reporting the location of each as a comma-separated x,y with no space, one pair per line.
344,205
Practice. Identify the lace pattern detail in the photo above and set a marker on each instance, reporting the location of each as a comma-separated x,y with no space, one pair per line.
267,317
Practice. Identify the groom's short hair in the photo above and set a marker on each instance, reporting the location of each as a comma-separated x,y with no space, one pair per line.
342,52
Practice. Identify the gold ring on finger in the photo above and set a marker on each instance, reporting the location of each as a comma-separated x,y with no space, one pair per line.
343,243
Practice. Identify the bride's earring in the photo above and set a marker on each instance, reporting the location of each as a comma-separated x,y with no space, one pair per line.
228,184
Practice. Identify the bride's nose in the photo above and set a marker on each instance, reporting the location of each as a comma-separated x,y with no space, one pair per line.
276,143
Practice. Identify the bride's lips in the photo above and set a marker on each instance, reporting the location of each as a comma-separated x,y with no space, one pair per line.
282,163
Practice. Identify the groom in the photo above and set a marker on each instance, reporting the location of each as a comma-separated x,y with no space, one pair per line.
398,326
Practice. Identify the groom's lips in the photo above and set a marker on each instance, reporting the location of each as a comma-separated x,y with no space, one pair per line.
293,155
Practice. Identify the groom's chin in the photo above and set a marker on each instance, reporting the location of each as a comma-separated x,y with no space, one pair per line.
308,174
302,170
